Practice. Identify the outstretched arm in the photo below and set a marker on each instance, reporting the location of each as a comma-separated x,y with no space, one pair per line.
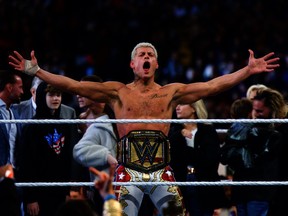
92,90
194,91
31,68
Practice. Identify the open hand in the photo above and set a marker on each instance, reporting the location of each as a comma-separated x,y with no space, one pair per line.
29,67
263,64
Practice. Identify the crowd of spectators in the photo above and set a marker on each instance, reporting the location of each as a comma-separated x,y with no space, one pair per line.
196,40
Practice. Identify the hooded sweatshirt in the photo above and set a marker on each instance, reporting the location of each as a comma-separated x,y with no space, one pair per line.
47,154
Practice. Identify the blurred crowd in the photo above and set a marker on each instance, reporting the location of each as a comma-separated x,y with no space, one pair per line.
196,40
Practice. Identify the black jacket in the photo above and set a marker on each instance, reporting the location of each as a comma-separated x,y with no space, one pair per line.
47,156
253,154
205,159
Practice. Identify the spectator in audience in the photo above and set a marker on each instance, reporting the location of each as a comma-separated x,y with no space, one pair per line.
270,104
252,152
11,89
195,149
97,147
47,155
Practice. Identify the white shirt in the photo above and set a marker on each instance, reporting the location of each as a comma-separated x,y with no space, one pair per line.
34,106
190,142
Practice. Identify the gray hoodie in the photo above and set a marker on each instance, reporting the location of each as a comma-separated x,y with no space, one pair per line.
98,141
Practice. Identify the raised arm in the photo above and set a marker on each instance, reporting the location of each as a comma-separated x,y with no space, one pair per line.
92,90
194,91
104,184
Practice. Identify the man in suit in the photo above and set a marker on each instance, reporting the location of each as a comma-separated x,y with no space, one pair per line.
11,89
27,108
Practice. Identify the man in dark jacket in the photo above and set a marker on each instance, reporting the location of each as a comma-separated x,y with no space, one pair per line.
252,151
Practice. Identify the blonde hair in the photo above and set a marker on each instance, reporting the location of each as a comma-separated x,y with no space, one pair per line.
200,109
143,44
275,101
255,87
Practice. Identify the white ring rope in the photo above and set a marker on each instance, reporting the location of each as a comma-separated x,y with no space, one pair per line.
202,183
123,121
217,183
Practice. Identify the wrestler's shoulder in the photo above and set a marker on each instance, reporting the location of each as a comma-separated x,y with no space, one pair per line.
173,86
114,84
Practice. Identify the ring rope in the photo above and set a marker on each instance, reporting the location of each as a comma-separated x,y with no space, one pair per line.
202,183
75,121
217,183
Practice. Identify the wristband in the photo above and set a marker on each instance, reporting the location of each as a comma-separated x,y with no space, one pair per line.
31,69
110,196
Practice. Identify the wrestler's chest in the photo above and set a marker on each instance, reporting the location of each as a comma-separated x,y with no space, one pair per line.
145,105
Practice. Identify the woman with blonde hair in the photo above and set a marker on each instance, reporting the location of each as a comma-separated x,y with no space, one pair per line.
195,157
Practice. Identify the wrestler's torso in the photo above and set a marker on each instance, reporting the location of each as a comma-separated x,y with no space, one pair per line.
134,103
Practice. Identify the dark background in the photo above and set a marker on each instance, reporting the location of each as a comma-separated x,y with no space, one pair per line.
196,40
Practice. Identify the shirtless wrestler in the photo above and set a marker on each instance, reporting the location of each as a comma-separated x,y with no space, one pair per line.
144,148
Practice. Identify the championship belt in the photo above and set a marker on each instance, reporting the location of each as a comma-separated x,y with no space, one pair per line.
144,151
